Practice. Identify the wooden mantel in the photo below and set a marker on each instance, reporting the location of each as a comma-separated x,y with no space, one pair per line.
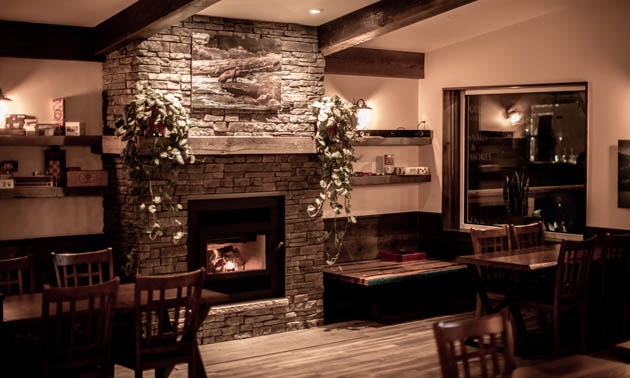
231,145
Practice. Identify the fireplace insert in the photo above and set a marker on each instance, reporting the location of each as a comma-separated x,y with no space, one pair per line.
240,241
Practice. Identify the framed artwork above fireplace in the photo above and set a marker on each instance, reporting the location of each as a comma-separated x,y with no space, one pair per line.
235,72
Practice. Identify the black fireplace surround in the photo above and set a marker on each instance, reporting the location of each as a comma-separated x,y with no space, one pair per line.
222,228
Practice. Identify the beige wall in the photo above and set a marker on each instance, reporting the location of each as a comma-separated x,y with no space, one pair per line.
587,42
32,84
395,105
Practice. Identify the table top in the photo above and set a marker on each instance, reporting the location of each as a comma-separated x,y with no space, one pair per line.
576,366
378,272
28,307
525,259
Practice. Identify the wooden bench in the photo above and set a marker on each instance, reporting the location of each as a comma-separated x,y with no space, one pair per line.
378,272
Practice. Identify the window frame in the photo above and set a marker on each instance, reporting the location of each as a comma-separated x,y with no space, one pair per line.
454,149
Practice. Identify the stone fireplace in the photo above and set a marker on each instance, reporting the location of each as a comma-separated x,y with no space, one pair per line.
273,265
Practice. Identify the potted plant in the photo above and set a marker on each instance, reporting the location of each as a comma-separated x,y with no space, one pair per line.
161,120
515,194
335,132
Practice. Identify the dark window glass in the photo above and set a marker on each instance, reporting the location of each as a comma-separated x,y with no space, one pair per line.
526,159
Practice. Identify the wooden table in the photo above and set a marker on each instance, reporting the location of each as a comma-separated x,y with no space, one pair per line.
379,272
525,259
519,260
577,366
26,309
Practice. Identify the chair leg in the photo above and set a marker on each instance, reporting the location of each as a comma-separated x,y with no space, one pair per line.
478,310
556,332
583,334
192,364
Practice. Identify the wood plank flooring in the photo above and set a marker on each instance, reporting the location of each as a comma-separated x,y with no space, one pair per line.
350,349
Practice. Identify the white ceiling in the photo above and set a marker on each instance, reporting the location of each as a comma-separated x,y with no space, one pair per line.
465,22
290,11
87,13
468,21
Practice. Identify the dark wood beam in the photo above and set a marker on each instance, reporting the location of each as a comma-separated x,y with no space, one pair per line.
374,62
377,19
42,41
142,20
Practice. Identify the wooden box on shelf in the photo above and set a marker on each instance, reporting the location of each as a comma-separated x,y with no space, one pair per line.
78,178
402,255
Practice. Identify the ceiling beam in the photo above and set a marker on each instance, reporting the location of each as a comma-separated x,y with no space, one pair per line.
374,62
43,41
377,19
142,20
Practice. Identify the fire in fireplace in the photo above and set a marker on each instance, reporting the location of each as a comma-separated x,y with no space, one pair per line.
239,240
238,254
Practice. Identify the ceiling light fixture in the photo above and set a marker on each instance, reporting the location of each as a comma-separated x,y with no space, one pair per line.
315,11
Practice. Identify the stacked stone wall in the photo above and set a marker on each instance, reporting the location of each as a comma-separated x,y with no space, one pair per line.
164,62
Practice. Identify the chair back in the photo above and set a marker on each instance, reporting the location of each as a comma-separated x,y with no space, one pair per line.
489,333
490,240
167,308
615,285
572,272
12,280
85,268
528,235
77,328
615,257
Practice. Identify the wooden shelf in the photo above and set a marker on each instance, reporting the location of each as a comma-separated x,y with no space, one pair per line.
388,180
227,145
391,141
52,192
59,140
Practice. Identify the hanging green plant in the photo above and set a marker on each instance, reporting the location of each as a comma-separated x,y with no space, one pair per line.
164,119
335,132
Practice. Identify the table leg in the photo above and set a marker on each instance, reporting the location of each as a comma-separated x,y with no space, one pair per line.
481,289
523,343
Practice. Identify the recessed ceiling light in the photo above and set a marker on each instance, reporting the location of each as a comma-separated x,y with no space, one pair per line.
315,11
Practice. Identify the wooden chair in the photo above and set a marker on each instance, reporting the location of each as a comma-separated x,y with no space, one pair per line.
166,309
77,329
570,288
12,279
85,268
488,241
615,286
528,235
489,333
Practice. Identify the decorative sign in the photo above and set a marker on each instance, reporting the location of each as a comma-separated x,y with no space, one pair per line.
58,111
234,72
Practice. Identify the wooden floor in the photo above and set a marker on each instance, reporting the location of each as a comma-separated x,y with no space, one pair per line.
351,349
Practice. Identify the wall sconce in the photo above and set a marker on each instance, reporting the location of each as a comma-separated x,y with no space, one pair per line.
513,115
3,108
364,114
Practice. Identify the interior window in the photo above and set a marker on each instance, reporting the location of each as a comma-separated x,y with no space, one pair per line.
525,157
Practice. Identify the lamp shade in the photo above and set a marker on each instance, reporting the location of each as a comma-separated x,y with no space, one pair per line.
364,114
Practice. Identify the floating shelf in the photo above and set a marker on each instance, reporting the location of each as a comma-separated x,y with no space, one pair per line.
60,140
52,192
394,141
388,179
